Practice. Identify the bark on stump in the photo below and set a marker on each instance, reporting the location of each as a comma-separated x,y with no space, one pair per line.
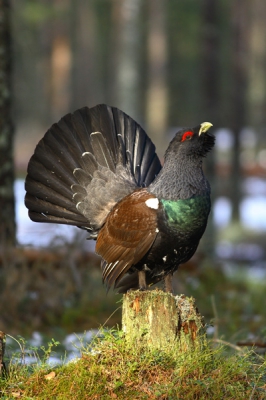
159,320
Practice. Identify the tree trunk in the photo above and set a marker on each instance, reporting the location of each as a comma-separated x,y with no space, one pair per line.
7,203
126,56
210,98
157,91
240,32
210,61
256,65
159,320
2,353
85,86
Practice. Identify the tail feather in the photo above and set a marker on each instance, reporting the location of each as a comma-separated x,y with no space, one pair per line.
39,173
89,163
101,151
151,169
55,140
37,217
102,120
67,141
139,147
53,209
80,128
78,190
49,160
77,140
82,177
43,192
86,163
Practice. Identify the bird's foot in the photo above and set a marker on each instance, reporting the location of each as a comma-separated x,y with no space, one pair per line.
142,280
168,283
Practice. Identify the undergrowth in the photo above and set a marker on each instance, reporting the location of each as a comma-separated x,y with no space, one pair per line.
78,301
110,368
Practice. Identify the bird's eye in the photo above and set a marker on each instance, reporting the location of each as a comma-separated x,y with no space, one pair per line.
187,136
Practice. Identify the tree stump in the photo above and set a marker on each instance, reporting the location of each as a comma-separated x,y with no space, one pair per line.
159,320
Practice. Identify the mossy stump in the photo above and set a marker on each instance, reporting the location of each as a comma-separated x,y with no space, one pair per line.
159,320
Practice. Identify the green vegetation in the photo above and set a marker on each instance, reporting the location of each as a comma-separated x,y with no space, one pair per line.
109,368
232,304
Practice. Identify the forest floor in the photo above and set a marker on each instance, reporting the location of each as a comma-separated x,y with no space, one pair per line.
59,292
112,369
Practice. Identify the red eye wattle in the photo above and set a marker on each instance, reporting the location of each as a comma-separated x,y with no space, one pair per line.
187,135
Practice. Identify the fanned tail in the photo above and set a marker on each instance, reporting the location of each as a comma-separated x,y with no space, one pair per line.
85,164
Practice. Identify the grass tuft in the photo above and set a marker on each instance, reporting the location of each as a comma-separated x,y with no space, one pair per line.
111,368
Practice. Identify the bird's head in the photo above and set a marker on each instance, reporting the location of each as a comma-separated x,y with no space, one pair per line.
196,141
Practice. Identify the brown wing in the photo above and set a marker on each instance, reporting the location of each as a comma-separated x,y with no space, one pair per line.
129,232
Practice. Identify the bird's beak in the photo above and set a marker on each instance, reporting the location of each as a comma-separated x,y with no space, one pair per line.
204,127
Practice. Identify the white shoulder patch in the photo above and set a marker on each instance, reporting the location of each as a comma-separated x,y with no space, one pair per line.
152,203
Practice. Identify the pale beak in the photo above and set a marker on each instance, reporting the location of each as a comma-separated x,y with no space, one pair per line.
204,127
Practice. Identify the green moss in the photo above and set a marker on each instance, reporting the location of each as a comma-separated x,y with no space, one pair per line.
110,368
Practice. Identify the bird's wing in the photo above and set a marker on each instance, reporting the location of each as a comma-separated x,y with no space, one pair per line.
128,234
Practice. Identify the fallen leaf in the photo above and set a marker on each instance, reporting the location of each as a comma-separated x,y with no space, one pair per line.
16,394
50,376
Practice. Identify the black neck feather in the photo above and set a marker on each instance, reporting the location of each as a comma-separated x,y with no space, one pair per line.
180,178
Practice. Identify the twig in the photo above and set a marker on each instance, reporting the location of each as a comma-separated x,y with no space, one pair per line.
118,308
228,344
216,318
252,393
22,348
252,344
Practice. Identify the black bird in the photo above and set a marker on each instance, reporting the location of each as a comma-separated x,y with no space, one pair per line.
97,169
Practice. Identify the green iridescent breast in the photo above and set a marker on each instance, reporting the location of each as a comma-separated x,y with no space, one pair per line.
186,215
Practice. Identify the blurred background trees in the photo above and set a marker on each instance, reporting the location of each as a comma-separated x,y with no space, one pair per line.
167,64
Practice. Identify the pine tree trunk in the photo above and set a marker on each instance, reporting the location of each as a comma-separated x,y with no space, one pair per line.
2,353
157,90
159,320
7,203
126,55
240,35
210,44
